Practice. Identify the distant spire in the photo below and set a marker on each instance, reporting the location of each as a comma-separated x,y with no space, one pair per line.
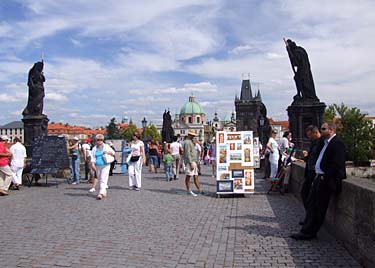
246,93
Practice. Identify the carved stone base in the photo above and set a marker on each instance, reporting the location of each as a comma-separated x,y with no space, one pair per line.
301,115
34,125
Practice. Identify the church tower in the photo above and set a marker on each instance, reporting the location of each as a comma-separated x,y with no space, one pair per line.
251,113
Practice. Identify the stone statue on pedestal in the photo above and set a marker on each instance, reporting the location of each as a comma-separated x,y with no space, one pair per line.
34,121
306,109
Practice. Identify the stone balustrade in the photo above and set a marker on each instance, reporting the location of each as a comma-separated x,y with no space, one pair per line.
351,215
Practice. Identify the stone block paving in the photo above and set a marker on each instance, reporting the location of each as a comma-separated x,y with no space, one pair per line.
159,226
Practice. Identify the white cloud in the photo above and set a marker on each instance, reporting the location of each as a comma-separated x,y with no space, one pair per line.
6,98
53,96
240,49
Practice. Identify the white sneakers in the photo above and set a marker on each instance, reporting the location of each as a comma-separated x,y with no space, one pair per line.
92,190
192,193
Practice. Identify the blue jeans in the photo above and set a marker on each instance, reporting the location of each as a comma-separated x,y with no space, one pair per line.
153,160
76,169
168,171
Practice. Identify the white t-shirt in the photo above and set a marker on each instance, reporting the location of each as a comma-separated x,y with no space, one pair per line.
136,148
283,144
87,150
19,155
175,148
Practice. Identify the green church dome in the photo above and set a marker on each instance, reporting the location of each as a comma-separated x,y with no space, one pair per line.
191,107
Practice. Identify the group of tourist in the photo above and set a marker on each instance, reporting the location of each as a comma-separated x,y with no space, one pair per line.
184,154
12,162
324,171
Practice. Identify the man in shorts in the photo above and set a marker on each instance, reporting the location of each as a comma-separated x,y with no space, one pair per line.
190,160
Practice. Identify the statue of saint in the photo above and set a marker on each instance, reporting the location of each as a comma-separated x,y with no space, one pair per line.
36,90
302,72
167,129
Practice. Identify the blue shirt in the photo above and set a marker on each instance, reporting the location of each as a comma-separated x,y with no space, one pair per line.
99,157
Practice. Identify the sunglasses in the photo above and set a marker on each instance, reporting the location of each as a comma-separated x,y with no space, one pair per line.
323,128
99,140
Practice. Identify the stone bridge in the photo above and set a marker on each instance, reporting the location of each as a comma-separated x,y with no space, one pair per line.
160,226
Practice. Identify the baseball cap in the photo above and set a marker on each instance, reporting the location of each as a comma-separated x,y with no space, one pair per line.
4,138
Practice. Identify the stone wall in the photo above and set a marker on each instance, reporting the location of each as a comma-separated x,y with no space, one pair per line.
351,215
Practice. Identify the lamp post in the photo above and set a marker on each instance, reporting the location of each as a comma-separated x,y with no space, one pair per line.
144,124
261,124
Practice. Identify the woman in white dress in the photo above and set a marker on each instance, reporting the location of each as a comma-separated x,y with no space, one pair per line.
274,153
137,159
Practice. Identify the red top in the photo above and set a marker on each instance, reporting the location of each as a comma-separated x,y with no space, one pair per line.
4,160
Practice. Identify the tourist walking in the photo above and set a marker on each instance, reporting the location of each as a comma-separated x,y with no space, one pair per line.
198,147
137,159
18,162
74,151
99,165
274,153
153,156
176,152
330,171
168,160
191,167
6,174
212,154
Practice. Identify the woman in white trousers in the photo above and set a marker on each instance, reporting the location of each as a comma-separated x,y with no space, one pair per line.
274,155
100,166
137,159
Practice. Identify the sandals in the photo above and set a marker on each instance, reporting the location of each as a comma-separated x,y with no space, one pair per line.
100,196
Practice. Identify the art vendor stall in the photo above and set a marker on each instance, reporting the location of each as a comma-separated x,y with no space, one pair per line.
235,162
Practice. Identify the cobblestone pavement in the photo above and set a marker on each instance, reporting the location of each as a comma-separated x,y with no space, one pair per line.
159,226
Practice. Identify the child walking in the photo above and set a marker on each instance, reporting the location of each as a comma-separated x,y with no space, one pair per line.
168,160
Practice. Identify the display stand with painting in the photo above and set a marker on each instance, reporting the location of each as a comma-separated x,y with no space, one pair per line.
236,162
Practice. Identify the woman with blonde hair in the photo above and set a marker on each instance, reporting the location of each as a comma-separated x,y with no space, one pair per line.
137,159
99,165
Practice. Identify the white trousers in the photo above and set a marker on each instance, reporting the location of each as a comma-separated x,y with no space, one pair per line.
6,176
273,164
135,173
102,172
17,174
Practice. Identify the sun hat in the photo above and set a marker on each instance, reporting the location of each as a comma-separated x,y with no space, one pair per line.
191,133
4,138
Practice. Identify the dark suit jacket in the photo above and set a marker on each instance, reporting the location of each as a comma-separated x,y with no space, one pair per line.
333,163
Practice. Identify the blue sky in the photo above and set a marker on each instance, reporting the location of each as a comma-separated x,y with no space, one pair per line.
112,58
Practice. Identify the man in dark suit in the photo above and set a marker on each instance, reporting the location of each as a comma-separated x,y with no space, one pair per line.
312,132
330,171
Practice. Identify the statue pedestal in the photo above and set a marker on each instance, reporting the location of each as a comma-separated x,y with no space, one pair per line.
302,114
34,125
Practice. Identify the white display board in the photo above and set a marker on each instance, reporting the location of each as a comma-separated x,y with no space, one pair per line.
235,162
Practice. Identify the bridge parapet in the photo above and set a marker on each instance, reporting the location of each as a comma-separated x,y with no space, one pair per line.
350,216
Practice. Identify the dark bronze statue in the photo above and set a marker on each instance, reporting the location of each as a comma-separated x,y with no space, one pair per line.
167,131
36,90
302,72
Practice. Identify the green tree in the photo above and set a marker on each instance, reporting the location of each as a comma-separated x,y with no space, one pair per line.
355,130
128,132
151,132
112,130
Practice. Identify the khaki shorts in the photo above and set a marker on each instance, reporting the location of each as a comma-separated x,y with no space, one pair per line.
191,169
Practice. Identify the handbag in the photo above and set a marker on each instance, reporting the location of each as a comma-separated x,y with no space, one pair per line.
108,158
134,158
